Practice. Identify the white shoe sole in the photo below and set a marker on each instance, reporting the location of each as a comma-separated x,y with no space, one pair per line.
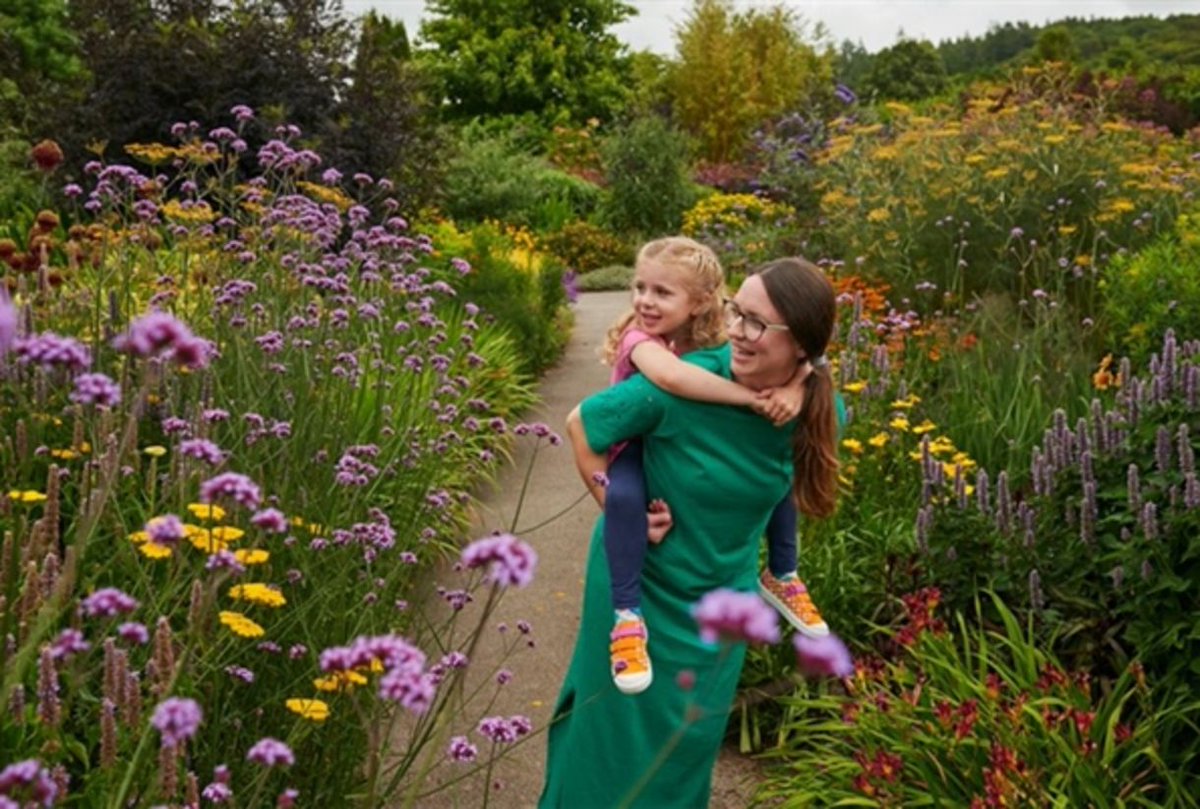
820,630
634,685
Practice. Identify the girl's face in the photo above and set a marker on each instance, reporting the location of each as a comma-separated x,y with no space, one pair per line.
661,300
770,360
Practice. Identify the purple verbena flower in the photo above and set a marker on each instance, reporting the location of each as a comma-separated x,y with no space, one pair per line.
69,642
731,615
95,389
50,351
107,602
232,485
825,656
133,632
8,324
177,719
271,753
166,530
270,519
511,561
29,779
203,450
461,750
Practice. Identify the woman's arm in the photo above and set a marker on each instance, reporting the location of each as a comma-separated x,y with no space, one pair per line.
683,379
592,466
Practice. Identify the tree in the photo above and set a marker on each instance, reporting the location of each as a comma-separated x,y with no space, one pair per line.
851,64
907,71
737,70
552,58
1055,45
38,57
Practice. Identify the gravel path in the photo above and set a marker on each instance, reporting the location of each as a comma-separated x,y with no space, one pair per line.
552,603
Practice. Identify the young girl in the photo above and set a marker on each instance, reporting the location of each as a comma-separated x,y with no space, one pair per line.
677,308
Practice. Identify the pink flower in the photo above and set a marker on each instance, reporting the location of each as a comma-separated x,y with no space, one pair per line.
512,561
731,615
823,657
271,753
236,487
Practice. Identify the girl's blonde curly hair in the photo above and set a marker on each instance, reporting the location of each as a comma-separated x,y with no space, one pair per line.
705,283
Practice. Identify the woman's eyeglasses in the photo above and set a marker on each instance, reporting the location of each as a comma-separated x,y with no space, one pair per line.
752,327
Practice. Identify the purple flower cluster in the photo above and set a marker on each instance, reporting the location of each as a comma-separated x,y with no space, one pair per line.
69,642
29,781
166,530
730,615
512,561
271,753
8,324
405,679
202,450
461,750
50,351
177,719
159,334
505,731
270,519
96,389
231,485
822,657
133,632
107,602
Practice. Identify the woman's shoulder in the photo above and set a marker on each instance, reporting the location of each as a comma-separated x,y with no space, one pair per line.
714,358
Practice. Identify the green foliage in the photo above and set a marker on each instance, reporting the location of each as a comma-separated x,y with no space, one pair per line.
606,279
493,177
737,70
645,165
38,58
584,247
983,717
556,60
906,71
1157,288
1055,44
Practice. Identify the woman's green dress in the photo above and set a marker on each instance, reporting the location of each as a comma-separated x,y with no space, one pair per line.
722,470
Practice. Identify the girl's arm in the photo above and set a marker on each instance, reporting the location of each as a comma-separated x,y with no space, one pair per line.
784,403
680,378
592,466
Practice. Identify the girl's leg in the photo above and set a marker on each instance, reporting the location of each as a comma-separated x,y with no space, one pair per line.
781,539
625,526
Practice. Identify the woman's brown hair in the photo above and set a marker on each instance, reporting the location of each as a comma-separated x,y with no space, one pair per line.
808,303
704,279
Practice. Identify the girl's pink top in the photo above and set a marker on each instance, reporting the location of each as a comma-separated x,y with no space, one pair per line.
623,367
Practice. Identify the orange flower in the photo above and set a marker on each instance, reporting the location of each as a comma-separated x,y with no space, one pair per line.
47,155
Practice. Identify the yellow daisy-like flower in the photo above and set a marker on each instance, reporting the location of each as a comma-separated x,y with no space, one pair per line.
64,454
339,681
1054,140
878,440
314,709
854,387
241,625
879,215
191,529
906,403
26,496
206,511
205,541
899,423
152,551
251,556
996,173
226,533
941,445
138,537
155,451
924,427
853,444
1066,230
257,593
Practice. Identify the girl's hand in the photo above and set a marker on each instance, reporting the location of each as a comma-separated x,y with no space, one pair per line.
779,405
658,519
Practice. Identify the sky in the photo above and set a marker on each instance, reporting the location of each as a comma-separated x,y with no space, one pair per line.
875,23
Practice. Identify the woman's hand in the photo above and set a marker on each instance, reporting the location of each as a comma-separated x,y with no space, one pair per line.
658,519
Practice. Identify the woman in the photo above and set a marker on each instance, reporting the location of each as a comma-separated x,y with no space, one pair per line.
722,469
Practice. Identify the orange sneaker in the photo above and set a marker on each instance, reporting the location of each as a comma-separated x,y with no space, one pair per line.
790,597
631,671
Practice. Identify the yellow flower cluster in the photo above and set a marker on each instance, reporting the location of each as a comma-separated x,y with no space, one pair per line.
240,625
257,593
313,709
732,212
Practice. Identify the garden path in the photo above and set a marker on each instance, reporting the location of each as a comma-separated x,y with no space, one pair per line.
551,604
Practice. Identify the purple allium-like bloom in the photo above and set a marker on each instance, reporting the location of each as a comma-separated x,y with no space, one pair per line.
218,792
202,449
165,530
29,779
69,642
271,753
461,750
731,615
504,731
823,657
107,602
177,719
94,389
240,673
49,350
512,561
161,334
232,485
270,519
133,632
8,324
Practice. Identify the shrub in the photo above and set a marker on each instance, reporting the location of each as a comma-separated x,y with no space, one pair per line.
607,279
1145,293
585,247
977,718
645,166
743,229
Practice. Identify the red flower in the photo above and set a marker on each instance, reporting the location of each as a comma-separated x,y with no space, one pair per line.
47,155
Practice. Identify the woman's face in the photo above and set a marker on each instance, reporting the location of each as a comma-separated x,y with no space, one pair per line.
772,359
